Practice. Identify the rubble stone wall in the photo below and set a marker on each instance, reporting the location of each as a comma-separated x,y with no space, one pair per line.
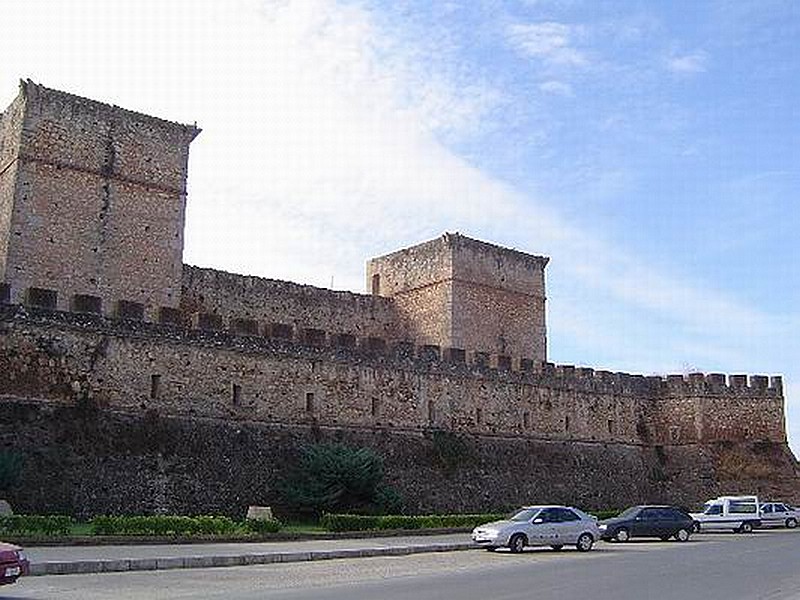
98,202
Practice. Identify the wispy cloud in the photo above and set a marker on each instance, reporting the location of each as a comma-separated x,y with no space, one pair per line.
558,88
688,64
549,41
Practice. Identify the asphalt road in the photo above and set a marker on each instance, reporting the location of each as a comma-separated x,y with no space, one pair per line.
763,565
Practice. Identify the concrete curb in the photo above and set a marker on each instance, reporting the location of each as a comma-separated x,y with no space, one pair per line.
231,560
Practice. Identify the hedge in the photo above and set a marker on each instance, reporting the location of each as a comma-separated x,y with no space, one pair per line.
605,514
333,522
266,526
34,525
163,525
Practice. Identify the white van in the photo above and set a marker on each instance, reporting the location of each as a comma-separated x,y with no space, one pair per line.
738,513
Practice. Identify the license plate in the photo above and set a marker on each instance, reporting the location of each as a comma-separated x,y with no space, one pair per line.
13,571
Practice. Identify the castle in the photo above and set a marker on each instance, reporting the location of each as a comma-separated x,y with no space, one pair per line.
139,383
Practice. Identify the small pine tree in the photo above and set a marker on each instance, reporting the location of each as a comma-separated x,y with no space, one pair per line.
10,469
336,478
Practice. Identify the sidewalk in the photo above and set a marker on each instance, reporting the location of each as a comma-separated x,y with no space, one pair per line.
63,560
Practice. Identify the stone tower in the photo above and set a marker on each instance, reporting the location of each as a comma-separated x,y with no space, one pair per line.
92,201
457,292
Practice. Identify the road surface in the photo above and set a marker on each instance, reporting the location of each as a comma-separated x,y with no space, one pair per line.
763,565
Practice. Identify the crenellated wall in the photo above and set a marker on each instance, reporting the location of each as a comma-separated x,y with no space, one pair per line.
245,301
135,366
127,416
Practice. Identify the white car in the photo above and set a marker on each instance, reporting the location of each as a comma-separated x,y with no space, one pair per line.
554,526
778,514
739,513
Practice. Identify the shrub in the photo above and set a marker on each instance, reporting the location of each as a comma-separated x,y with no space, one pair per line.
10,469
348,522
344,522
163,525
35,525
266,526
333,477
605,513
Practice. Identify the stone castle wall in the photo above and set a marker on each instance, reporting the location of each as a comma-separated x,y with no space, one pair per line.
458,292
126,416
98,199
262,306
418,280
10,134
133,366
498,300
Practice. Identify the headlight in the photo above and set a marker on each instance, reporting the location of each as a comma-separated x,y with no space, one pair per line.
602,527
489,533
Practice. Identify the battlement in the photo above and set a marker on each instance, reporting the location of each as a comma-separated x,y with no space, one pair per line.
231,331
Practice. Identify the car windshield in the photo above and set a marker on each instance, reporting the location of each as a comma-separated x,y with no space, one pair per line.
629,512
712,509
523,514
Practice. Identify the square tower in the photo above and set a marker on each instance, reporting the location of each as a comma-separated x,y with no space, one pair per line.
458,292
92,201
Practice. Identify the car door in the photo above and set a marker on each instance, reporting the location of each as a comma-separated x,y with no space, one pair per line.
644,525
780,513
542,528
768,515
569,527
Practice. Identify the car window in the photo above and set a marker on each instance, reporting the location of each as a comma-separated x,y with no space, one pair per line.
629,513
713,509
526,514
767,509
548,515
565,515
780,508
742,507
650,514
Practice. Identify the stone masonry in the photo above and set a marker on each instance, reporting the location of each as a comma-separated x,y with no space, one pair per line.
106,339
92,201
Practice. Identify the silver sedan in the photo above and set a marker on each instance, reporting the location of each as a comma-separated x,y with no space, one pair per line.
554,526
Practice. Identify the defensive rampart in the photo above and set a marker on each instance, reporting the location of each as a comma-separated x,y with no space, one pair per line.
123,415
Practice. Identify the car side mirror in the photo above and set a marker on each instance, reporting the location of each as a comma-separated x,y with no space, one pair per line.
538,521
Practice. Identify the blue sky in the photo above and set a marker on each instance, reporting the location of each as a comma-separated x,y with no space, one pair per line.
649,148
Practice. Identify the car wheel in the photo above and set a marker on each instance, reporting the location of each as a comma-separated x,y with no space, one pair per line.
622,535
517,543
791,523
557,547
682,535
585,542
745,527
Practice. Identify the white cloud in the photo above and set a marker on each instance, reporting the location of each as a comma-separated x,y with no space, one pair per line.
688,64
559,88
549,41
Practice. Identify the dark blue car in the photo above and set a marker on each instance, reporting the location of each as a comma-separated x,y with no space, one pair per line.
662,522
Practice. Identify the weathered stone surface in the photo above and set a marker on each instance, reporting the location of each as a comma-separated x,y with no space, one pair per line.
5,508
260,513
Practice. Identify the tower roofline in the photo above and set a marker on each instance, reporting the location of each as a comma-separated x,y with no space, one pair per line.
456,238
